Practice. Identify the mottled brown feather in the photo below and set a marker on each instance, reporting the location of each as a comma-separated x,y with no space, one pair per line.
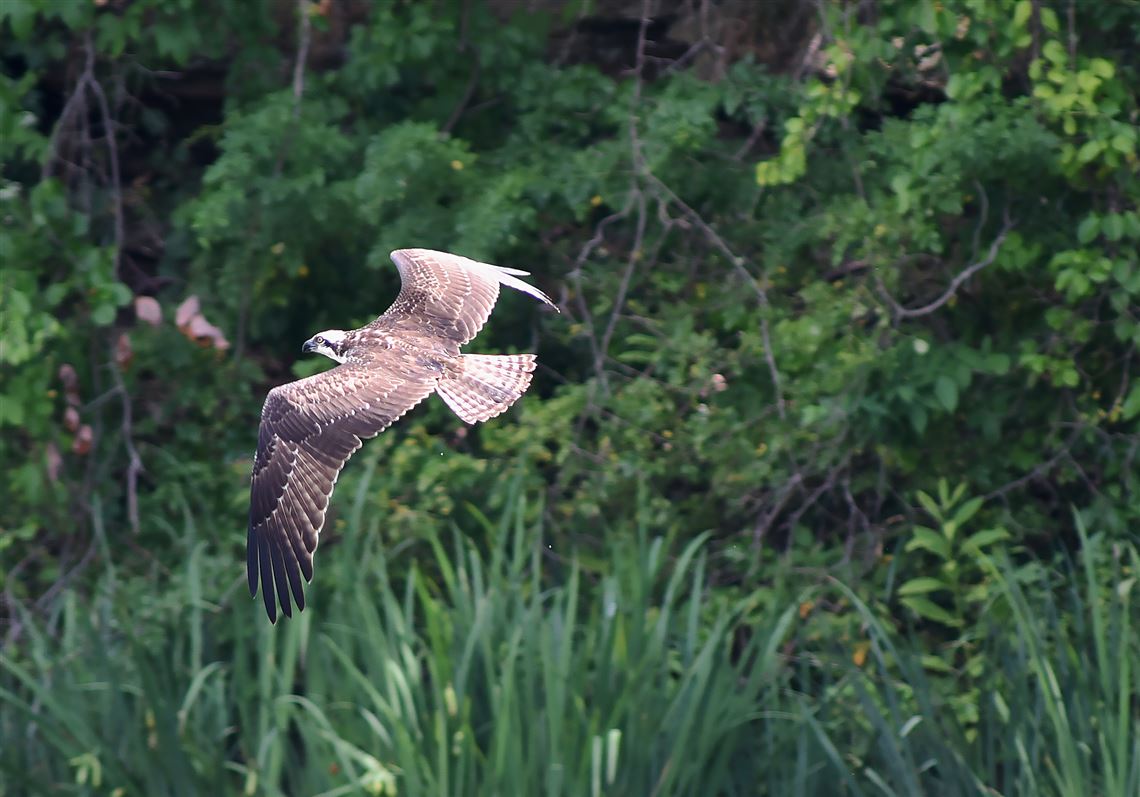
444,296
309,429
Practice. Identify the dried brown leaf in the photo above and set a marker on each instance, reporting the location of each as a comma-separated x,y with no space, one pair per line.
202,330
54,461
123,351
148,309
81,445
70,381
186,311
68,377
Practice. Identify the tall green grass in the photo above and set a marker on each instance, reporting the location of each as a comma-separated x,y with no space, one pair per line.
447,667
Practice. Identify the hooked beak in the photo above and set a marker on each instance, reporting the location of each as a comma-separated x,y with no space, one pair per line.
308,346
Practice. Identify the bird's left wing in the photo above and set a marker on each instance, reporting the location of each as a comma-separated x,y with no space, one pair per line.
446,296
309,429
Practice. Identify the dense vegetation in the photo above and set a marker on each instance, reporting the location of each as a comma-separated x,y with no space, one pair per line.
828,480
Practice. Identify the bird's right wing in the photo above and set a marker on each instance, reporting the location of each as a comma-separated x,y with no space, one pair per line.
448,296
309,429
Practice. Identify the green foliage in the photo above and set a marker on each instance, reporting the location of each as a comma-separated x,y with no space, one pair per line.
898,369
441,668
1086,703
957,557
494,676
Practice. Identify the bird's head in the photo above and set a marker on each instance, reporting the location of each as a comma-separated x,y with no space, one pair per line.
330,343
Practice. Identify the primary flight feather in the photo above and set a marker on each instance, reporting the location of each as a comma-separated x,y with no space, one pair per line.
309,428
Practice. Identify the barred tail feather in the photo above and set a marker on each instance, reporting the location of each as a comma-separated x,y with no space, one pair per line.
485,385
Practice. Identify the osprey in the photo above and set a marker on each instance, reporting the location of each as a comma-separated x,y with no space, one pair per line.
309,428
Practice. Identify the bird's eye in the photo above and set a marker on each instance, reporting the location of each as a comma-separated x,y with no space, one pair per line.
319,340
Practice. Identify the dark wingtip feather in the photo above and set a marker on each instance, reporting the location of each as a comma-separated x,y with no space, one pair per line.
281,579
267,595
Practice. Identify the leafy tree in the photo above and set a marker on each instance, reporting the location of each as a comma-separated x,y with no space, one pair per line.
816,261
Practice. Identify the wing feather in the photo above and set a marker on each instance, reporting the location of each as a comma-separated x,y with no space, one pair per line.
309,429
447,296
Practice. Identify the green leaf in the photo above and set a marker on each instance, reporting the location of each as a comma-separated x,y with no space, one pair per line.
20,16
947,391
929,505
1021,12
998,364
1055,52
917,414
1113,226
986,538
1122,144
1102,68
103,314
931,611
929,540
927,18
1131,406
922,586
967,510
1088,228
1089,151
1132,224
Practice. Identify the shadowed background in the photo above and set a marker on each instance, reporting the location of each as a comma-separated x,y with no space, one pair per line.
827,474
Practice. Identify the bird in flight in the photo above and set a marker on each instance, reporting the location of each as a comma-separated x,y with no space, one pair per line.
309,428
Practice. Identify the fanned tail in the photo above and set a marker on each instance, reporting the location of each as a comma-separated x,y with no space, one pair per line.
482,386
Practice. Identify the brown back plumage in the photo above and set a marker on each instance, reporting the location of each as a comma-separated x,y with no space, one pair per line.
310,428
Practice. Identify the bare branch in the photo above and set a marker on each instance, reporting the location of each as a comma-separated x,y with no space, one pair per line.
635,256
813,497
903,312
304,34
635,197
1040,468
576,275
473,80
737,264
764,522
75,104
112,155
757,131
134,461
808,58
983,216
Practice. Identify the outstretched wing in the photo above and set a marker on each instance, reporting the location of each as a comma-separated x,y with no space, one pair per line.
447,296
309,429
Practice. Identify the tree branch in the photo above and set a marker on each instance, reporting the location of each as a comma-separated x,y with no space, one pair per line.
904,312
476,69
635,255
112,155
737,264
134,461
74,103
304,36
